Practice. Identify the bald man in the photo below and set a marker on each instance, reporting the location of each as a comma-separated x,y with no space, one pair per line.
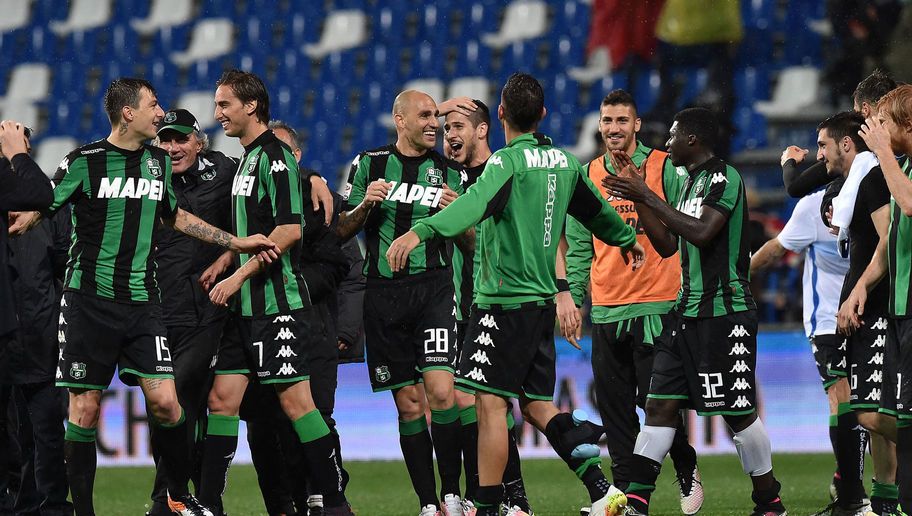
408,315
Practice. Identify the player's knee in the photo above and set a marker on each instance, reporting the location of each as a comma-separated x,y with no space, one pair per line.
219,403
440,395
84,411
661,412
871,421
409,404
165,409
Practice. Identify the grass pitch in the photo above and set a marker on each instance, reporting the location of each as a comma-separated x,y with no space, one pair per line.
383,488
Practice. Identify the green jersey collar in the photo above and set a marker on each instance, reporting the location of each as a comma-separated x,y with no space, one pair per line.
537,139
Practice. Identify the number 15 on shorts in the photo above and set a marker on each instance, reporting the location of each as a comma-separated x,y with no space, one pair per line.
437,341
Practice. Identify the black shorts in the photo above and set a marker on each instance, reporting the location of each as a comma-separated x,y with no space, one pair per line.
896,398
410,328
866,357
274,347
462,327
710,363
98,335
510,352
830,357
623,351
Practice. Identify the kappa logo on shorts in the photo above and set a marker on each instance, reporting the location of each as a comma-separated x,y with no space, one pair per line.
741,385
286,352
842,363
477,375
880,341
286,369
877,359
739,349
481,357
738,331
488,322
77,370
283,318
881,324
284,334
61,337
876,377
59,375
484,338
874,395
382,374
740,367
741,402
842,347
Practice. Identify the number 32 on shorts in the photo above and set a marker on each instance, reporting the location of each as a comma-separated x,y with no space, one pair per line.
438,341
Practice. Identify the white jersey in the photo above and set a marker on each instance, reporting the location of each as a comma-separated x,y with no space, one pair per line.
824,269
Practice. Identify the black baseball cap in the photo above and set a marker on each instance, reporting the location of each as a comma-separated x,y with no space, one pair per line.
179,120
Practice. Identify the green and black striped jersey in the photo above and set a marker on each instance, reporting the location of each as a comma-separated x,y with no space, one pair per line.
521,201
417,185
118,198
267,192
900,255
464,269
715,277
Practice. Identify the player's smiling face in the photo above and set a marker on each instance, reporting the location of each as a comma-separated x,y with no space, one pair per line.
829,153
618,125
147,116
420,120
231,112
183,149
460,136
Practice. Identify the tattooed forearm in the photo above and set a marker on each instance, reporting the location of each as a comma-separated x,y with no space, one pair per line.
351,222
190,225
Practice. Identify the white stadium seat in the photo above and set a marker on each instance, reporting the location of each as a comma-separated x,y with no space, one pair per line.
598,66
163,14
84,15
797,88
51,151
28,82
523,19
227,145
211,38
474,87
15,14
342,30
585,146
200,104
23,112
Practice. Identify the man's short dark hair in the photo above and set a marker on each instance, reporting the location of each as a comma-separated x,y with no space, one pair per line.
278,124
482,115
125,91
846,123
523,101
248,87
873,87
701,123
620,98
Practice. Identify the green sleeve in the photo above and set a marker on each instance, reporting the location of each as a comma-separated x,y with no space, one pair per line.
590,208
454,180
579,258
357,181
724,190
672,182
278,172
69,180
487,197
169,200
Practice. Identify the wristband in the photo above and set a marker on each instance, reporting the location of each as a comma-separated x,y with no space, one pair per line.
562,285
